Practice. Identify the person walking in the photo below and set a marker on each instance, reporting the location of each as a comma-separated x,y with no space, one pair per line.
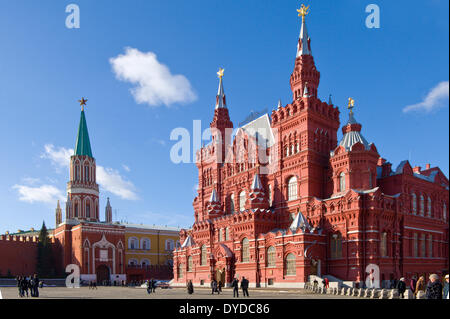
420,285
25,285
19,285
327,283
401,287
446,287
149,287
220,286
154,285
412,284
235,286
434,288
244,286
213,286
190,287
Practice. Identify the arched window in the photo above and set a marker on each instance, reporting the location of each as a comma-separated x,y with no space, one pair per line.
292,188
88,210
77,172
271,257
414,203
336,246
342,182
227,233
270,195
145,262
245,251
444,211
190,264
242,201
422,205
220,234
203,256
86,173
429,206
180,271
290,265
383,245
133,243
232,209
145,244
133,262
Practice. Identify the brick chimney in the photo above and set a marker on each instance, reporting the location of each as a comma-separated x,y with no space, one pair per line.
417,169
428,166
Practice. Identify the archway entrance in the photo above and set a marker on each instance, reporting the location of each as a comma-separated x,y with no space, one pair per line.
102,273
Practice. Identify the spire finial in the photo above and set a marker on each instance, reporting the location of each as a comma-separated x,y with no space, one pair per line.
303,12
220,73
82,103
351,105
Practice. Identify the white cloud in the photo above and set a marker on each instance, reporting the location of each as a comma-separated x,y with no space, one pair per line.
434,99
154,83
126,167
45,194
30,180
60,157
111,180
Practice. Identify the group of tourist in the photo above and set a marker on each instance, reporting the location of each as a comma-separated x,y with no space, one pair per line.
434,289
31,283
216,287
151,286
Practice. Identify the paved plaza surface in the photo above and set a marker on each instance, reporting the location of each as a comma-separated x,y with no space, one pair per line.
173,293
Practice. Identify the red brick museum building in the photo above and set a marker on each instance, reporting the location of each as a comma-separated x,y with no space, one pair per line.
315,205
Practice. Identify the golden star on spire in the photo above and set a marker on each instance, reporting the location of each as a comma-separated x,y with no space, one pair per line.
351,104
303,11
82,103
220,73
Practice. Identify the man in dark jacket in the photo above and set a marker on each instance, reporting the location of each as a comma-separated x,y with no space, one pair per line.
401,286
413,283
244,286
235,286
434,288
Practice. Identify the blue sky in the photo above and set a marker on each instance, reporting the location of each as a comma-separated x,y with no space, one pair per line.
46,67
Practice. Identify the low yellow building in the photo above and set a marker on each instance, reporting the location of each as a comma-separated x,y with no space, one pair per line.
149,245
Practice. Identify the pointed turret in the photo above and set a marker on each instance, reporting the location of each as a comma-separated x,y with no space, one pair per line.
257,185
68,207
58,214
83,145
220,98
108,212
300,222
257,197
213,198
305,71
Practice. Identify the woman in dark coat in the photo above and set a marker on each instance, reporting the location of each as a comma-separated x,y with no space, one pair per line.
401,286
434,288
190,287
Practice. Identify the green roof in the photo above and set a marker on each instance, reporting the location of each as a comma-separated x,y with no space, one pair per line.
83,146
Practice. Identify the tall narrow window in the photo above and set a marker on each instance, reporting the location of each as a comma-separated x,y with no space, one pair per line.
416,245
292,188
220,234
290,265
271,257
342,182
203,256
414,203
422,205
88,210
430,246
245,250
86,173
232,209
423,245
444,211
76,210
190,263
429,206
270,195
383,245
77,172
227,233
242,201
336,246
